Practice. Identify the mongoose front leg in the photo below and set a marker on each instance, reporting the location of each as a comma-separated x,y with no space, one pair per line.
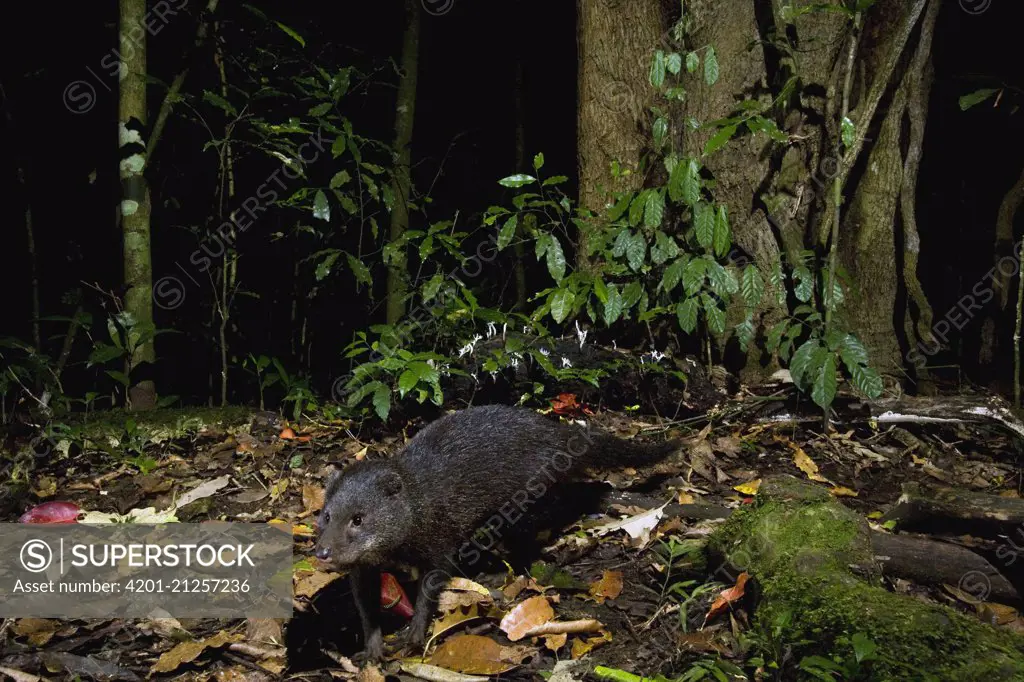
431,585
366,590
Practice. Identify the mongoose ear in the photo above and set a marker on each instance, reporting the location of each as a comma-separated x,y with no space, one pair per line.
332,478
391,483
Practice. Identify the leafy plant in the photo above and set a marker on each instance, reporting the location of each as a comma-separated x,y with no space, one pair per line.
842,666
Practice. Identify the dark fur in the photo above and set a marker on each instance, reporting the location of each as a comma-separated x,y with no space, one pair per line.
477,469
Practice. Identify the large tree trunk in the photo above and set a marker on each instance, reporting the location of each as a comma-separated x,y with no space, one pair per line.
617,39
135,203
405,110
778,198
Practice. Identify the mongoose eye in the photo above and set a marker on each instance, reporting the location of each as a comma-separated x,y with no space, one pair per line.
327,517
357,520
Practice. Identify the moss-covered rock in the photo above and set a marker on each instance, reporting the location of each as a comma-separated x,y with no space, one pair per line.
814,566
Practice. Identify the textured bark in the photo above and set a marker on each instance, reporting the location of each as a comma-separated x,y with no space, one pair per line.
405,110
135,202
617,39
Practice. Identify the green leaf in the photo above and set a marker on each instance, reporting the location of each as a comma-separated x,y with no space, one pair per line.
619,207
321,209
561,304
654,209
853,353
804,288
719,139
673,274
541,247
722,240
657,76
778,284
538,161
321,109
693,275
692,62
690,184
664,248
710,67
119,377
432,286
745,331
866,380
636,209
323,268
774,336
704,224
848,132
339,179
360,270
382,402
636,250
600,290
554,180
977,97
800,363
686,312
674,63
751,285
555,259
825,384
631,294
407,381
508,231
723,282
660,130
613,308
517,180
292,33
339,146
219,102
715,315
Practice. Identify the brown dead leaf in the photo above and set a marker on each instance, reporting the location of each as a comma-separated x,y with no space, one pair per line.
250,496
685,498
728,596
997,614
370,673
457,599
608,587
513,589
841,491
46,486
582,647
730,446
702,641
555,642
525,616
287,433
702,460
568,627
39,631
453,618
264,631
278,488
478,655
312,497
308,584
186,652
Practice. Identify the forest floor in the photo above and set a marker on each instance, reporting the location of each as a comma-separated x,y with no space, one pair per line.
624,585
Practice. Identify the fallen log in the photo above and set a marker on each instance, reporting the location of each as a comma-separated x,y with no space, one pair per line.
922,560
813,561
956,512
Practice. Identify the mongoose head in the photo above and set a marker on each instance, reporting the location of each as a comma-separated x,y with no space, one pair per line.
365,518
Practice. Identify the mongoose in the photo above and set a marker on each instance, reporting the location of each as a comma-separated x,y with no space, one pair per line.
473,471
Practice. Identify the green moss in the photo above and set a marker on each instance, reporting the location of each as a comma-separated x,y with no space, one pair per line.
813,561
154,426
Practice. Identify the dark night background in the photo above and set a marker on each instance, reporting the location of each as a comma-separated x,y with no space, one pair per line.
463,142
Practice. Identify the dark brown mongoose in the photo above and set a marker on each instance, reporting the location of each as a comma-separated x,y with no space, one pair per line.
475,470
